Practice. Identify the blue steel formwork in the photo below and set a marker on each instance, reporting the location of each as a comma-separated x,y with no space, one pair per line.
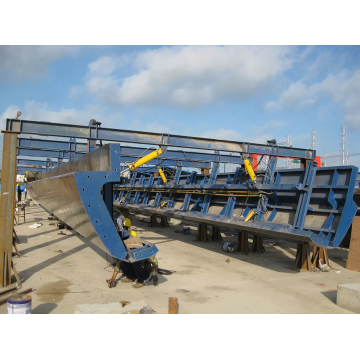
302,205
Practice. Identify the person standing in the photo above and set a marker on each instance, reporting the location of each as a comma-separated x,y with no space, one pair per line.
19,193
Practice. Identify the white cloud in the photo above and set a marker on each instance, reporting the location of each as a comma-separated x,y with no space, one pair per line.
255,134
188,76
28,62
343,89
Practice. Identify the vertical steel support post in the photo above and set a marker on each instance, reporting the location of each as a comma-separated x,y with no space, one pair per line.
72,148
212,180
60,157
269,178
7,205
91,143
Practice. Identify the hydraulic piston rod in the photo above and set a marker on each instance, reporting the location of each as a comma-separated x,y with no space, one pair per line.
146,159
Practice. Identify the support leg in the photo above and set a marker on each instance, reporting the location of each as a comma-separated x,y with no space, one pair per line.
216,234
164,222
319,257
153,221
202,233
7,205
258,245
243,242
303,260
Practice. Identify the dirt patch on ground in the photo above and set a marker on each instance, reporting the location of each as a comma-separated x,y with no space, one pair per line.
54,292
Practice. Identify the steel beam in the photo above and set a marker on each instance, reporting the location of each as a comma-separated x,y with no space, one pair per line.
7,205
128,151
124,159
32,163
118,135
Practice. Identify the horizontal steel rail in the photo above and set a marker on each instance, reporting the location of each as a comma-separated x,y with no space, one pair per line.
128,151
118,135
32,163
124,159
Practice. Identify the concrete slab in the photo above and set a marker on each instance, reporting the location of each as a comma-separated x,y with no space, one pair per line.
65,270
348,297
110,308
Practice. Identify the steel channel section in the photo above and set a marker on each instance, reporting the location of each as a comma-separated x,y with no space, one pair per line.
302,205
27,162
125,151
86,132
7,205
60,155
73,192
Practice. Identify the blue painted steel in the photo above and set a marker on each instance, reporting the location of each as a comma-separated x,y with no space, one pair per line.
211,181
303,205
300,205
315,204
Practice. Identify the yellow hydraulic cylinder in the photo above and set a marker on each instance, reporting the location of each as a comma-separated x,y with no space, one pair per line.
146,159
162,175
249,216
250,170
163,204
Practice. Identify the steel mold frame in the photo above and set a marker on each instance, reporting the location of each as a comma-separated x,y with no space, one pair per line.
301,205
289,198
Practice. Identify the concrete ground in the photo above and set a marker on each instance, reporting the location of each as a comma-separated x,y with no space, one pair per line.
65,270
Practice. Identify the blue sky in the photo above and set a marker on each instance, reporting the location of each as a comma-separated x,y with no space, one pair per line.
245,93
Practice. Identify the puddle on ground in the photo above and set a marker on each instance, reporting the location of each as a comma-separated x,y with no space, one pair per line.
54,292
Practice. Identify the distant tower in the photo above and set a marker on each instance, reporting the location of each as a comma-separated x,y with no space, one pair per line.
313,139
343,147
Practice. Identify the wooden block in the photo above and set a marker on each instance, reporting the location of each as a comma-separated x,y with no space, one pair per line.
173,305
133,243
353,262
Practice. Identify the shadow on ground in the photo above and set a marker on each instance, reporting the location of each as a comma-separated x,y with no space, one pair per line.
279,255
331,295
45,308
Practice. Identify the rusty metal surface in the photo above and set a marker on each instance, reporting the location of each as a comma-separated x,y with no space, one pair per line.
7,205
